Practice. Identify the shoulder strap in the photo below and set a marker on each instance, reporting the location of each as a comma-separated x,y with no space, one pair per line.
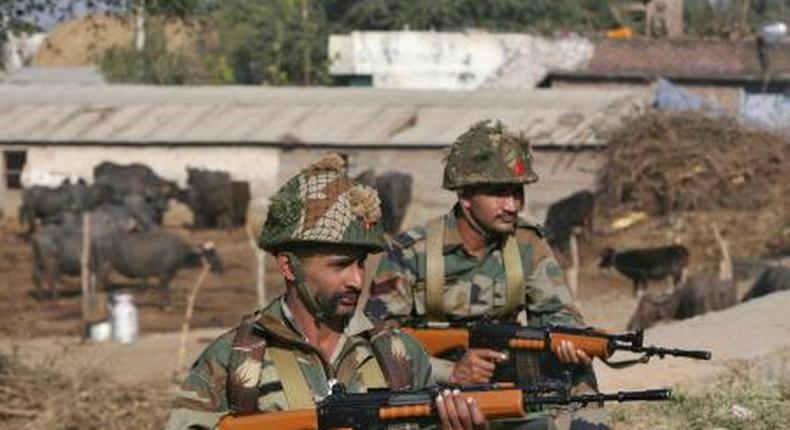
514,273
295,387
247,351
372,375
434,270
371,264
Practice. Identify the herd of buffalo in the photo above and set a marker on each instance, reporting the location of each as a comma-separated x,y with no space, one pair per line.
126,204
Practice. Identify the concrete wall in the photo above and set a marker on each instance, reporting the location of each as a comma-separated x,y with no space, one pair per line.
561,173
447,60
259,166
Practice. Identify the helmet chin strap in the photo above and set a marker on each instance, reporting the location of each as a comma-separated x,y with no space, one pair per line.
475,225
305,294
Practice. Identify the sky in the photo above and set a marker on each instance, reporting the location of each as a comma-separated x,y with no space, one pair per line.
51,12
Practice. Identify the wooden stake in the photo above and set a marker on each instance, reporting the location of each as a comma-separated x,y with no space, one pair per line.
260,267
572,273
182,347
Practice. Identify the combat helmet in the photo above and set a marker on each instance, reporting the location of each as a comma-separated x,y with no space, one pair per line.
488,154
321,205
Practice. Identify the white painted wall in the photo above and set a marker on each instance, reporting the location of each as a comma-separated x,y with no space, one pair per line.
259,166
461,60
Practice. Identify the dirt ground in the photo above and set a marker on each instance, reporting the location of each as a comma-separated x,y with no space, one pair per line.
46,333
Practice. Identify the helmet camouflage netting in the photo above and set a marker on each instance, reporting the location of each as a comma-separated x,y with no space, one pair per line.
487,154
322,205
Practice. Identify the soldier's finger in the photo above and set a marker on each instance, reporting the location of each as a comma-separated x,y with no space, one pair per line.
490,355
583,357
442,411
479,363
478,419
452,413
464,416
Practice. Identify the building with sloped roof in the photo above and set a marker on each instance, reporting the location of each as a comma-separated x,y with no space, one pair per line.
745,78
263,135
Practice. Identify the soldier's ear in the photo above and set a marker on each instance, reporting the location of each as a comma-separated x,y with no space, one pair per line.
286,269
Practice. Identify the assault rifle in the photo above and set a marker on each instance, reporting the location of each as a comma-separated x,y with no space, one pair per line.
379,408
441,338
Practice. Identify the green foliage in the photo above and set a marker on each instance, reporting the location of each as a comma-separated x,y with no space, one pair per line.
273,42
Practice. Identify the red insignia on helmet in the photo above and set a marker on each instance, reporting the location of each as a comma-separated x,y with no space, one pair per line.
518,168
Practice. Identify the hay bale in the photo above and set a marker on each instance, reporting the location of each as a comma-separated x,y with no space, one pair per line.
663,162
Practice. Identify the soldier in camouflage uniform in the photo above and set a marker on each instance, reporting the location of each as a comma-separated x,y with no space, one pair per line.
481,260
320,228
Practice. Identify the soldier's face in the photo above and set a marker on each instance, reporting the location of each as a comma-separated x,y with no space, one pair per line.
494,207
336,279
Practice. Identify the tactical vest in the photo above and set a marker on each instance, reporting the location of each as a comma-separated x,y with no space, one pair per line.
434,273
249,344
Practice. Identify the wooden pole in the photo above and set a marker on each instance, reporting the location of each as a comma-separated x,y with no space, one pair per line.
190,308
572,273
85,276
260,267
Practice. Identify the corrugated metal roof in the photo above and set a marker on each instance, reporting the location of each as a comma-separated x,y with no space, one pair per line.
309,116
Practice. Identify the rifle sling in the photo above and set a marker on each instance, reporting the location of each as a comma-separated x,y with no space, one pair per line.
626,363
434,270
434,273
372,376
246,348
295,387
514,273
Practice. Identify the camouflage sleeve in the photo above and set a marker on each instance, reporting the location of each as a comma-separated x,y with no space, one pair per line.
391,290
548,298
421,366
202,399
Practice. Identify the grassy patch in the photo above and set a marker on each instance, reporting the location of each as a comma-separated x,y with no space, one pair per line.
734,403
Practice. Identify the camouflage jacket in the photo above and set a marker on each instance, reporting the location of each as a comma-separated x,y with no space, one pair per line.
203,397
474,287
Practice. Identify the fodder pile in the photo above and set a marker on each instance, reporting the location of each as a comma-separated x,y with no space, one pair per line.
42,398
666,162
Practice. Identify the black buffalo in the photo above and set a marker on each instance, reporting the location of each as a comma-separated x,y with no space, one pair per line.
773,279
151,254
123,180
697,295
565,216
641,265
394,190
48,204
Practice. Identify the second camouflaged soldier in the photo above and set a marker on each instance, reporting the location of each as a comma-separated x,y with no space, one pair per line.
481,260
320,228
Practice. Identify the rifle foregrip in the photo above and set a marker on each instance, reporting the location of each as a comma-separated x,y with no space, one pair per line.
527,344
438,341
299,419
497,404
591,345
407,411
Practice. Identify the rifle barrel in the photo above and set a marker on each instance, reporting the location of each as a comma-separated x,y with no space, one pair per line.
661,352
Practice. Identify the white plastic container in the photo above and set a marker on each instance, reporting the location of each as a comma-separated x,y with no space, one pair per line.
124,319
100,331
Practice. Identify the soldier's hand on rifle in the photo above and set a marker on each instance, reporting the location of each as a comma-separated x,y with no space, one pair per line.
459,413
569,354
476,366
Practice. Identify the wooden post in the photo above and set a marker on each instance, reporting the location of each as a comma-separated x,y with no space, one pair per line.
94,303
260,267
182,347
572,273
725,265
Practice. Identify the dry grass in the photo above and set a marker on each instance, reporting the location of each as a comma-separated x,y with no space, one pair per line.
42,398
